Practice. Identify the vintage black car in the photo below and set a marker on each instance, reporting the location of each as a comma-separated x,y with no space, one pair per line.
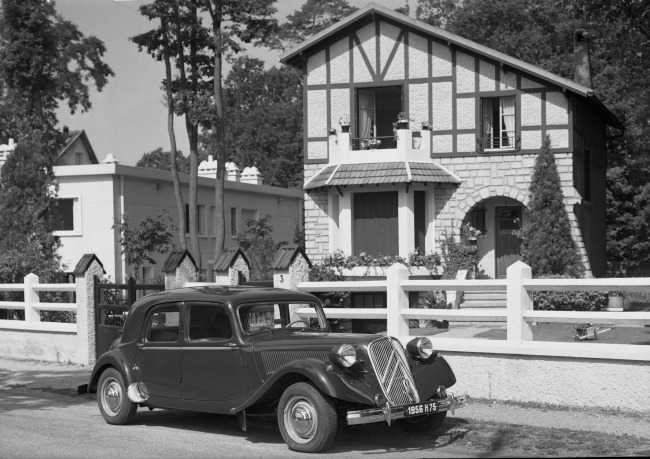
246,351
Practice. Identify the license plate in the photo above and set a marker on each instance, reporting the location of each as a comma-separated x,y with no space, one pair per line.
421,408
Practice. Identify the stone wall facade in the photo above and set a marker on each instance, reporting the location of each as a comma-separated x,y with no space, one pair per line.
316,219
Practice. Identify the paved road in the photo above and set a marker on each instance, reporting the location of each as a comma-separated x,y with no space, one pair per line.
37,424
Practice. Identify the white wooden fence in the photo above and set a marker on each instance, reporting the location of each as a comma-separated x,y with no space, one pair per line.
518,314
32,306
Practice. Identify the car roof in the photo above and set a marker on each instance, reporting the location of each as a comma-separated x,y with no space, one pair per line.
224,294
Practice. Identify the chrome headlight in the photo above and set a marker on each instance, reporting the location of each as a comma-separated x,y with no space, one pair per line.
344,355
420,348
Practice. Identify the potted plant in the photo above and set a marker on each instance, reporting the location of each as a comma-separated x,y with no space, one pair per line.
402,121
615,301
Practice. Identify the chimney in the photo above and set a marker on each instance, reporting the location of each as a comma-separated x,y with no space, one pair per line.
581,58
208,168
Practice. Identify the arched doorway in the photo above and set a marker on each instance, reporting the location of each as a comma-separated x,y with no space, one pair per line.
494,225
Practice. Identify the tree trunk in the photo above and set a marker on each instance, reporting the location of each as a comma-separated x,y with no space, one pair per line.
178,197
219,132
192,134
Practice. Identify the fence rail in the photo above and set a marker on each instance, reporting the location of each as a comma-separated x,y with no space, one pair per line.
32,306
518,315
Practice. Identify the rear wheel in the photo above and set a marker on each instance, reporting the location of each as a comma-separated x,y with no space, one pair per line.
306,418
115,406
421,424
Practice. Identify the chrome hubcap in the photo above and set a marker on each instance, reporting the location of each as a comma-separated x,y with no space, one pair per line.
300,419
112,396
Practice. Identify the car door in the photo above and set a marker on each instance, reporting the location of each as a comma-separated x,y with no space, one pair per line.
212,359
159,353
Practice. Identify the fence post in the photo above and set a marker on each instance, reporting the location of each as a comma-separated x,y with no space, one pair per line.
518,300
87,273
131,292
396,300
32,314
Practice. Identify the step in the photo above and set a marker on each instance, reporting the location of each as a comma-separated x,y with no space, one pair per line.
483,304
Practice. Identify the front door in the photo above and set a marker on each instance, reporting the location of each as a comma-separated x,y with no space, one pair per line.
212,360
508,242
160,354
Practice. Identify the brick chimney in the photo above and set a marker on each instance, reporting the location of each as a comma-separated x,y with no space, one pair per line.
581,58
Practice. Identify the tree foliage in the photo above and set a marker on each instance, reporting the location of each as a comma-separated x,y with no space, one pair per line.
312,17
263,120
151,236
26,194
44,59
159,159
547,244
257,242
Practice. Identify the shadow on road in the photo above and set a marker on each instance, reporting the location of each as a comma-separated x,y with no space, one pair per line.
20,398
378,438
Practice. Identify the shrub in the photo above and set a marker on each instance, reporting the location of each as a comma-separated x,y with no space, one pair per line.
457,256
547,245
569,301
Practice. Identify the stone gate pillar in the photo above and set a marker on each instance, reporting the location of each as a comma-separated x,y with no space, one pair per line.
179,268
88,268
290,267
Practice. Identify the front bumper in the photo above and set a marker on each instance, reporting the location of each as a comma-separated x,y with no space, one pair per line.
391,413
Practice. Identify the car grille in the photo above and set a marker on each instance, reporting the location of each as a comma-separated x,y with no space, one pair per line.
272,360
393,372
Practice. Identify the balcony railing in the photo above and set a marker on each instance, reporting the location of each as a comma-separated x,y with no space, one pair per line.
374,143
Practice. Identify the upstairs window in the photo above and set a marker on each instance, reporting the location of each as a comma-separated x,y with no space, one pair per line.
498,123
377,110
62,214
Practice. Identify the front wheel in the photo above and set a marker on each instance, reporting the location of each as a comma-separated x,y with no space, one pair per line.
307,419
114,404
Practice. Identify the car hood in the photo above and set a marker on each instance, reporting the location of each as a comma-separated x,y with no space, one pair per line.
307,340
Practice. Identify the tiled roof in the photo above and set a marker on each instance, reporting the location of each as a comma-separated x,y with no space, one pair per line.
227,258
174,259
285,256
84,263
380,173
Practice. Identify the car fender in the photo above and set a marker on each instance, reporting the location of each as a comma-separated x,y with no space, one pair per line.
325,376
117,360
430,374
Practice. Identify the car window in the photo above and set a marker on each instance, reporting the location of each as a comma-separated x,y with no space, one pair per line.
271,316
163,324
208,322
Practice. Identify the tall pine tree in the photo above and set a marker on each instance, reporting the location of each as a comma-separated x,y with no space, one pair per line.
547,244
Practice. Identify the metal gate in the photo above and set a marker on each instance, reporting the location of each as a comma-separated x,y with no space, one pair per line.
112,303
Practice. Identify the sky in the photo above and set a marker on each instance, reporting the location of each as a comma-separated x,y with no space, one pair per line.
128,118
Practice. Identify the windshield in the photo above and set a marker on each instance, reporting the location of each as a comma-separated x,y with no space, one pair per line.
282,316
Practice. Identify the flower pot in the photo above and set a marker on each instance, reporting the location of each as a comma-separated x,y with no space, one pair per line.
614,302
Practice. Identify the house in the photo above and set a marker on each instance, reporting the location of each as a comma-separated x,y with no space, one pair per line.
93,198
472,121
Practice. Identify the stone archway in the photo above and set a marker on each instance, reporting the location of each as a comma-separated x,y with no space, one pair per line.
493,226
487,192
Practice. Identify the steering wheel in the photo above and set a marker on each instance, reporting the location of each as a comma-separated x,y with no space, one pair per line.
296,322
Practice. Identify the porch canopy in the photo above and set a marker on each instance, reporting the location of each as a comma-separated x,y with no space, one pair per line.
380,173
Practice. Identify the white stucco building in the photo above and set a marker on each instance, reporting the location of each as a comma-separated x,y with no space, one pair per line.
93,197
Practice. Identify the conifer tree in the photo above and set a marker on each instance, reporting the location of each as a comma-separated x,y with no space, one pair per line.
547,244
